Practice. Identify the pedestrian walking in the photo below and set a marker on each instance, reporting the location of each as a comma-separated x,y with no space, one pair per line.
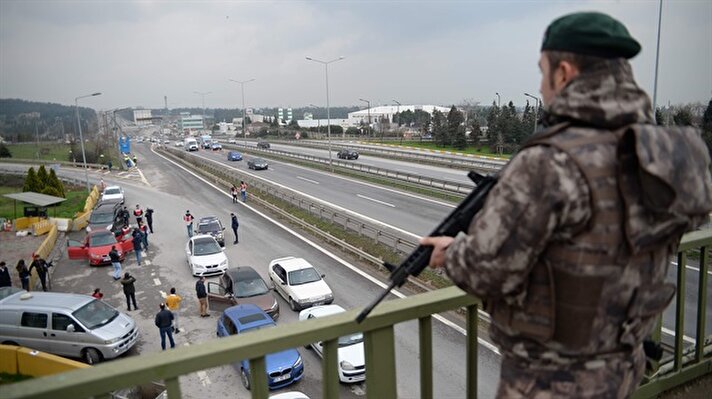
138,213
144,234
125,215
97,293
243,190
5,279
202,295
102,184
164,322
188,219
233,192
24,273
137,240
109,165
129,290
127,160
42,269
574,278
115,261
235,224
173,303
149,219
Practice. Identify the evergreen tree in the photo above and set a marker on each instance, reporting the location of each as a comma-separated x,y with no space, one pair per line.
454,120
43,177
493,133
460,139
32,183
707,127
439,129
475,132
682,117
659,117
4,151
57,184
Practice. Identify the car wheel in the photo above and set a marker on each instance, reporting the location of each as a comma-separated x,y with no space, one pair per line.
293,305
91,356
245,379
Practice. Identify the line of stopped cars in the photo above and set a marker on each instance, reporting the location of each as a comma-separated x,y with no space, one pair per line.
248,304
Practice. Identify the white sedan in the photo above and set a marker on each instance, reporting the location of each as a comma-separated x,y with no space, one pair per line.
352,362
205,256
113,194
299,283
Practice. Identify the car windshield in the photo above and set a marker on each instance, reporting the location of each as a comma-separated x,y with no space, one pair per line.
112,191
248,288
352,339
208,227
101,218
303,276
100,240
95,314
205,247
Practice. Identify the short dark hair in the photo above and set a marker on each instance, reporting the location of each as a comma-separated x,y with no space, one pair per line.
580,61
173,290
163,305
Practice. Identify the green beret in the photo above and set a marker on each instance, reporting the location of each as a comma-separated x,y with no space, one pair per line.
590,33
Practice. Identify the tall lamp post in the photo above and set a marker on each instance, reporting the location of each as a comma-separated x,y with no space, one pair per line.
81,137
499,103
328,112
368,104
536,109
242,89
203,94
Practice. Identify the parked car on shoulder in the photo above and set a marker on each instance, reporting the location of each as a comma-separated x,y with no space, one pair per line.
282,368
205,256
211,225
351,359
257,164
347,153
234,156
242,285
262,144
299,283
96,247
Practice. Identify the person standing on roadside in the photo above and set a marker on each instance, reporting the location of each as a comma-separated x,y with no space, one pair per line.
129,290
235,224
137,240
115,261
144,234
173,302
202,295
135,160
97,293
243,190
149,219
233,192
188,220
138,212
42,269
164,322
125,215
24,273
5,279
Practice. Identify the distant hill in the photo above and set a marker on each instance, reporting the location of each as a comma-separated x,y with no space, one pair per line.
20,118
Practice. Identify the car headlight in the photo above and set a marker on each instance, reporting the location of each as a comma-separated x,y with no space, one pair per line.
346,365
297,363
274,306
111,341
223,263
95,256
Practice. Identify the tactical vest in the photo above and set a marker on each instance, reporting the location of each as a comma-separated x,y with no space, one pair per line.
590,294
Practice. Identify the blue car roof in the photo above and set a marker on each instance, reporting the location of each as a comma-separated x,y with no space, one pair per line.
247,316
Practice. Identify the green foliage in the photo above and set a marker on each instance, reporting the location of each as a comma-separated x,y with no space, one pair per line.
659,117
707,127
439,129
682,117
4,151
293,124
353,131
32,182
43,176
57,184
49,190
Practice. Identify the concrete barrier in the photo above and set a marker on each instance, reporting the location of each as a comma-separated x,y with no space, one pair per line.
81,220
26,361
63,224
41,227
25,222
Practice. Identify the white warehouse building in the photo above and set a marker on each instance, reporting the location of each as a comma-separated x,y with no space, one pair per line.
388,111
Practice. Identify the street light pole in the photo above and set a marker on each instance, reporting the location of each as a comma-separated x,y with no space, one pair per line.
328,112
657,58
499,103
242,88
81,137
203,94
368,103
536,109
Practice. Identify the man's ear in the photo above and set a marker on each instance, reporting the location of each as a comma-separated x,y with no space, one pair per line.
565,72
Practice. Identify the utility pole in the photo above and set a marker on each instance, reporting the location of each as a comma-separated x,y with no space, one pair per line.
328,113
368,103
242,88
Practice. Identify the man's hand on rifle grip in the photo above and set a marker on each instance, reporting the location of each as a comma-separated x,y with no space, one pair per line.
440,245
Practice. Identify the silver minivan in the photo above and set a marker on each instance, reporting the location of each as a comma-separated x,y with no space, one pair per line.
70,325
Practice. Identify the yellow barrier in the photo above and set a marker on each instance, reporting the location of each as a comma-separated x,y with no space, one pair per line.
26,361
8,359
25,222
81,220
41,227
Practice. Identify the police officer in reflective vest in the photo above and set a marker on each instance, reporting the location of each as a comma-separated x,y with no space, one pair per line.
572,246
138,213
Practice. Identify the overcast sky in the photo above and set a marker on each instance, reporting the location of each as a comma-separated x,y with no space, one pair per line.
434,52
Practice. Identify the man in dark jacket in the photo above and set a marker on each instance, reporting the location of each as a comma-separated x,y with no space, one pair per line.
149,219
164,322
42,270
115,261
5,279
137,240
235,225
129,290
202,295
125,215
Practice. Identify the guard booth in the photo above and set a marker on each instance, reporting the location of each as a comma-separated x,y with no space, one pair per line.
30,211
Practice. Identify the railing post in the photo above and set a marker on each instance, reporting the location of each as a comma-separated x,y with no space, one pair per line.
258,378
173,388
702,304
330,370
425,328
380,363
680,309
472,351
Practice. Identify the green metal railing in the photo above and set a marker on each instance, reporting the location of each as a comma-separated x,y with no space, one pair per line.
378,330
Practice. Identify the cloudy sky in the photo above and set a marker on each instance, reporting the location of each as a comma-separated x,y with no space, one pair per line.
428,52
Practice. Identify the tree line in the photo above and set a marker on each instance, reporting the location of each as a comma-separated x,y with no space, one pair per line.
43,182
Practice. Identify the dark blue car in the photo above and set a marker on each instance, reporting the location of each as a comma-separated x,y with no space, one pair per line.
283,368
234,156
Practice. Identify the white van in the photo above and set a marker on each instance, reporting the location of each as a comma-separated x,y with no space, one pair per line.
191,144
70,325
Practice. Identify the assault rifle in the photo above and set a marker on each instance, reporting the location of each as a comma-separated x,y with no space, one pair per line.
458,220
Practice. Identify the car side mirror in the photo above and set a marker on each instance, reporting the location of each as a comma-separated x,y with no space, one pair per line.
70,328
223,228
323,275
282,282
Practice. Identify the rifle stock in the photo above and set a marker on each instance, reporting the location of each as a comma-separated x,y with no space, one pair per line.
458,220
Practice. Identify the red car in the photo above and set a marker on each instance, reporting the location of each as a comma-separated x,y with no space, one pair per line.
97,245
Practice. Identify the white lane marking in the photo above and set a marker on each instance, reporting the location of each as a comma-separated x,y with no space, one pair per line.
309,180
148,262
163,294
692,268
156,281
143,178
323,250
153,273
375,200
358,390
684,337
204,378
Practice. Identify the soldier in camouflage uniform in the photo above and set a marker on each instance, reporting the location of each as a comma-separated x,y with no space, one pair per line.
572,246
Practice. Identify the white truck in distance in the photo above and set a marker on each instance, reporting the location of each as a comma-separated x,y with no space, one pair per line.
190,144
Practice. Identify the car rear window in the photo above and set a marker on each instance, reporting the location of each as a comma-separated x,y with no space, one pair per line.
112,191
251,318
208,227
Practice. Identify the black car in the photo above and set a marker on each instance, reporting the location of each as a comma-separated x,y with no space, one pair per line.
107,216
347,153
262,144
257,164
211,225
